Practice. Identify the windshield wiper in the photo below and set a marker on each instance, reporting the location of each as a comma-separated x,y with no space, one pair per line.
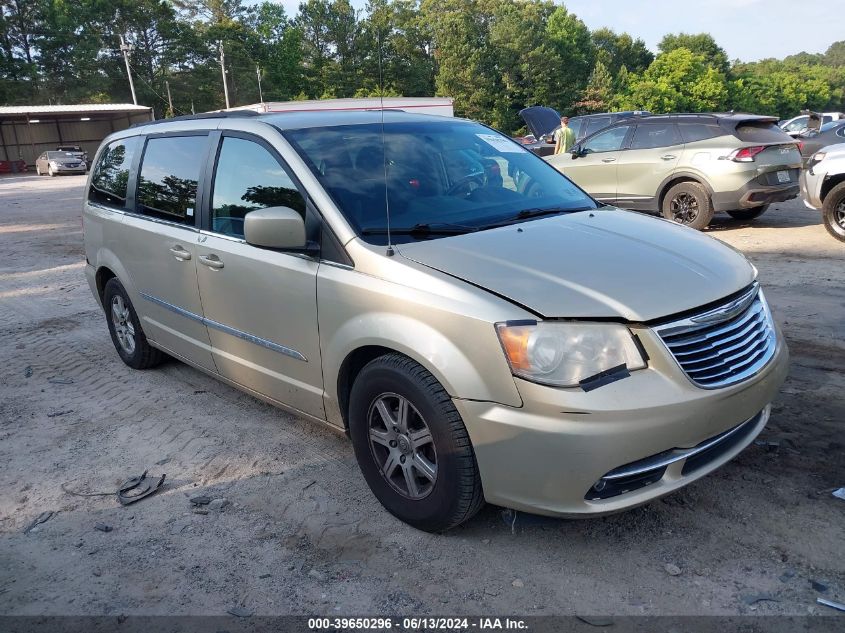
526,214
436,228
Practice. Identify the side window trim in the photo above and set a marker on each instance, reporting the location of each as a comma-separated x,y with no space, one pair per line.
95,165
211,172
134,176
315,223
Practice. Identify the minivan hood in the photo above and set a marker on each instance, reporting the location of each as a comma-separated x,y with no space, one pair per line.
605,263
540,120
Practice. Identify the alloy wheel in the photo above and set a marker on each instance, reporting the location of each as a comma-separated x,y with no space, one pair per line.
839,214
402,445
684,208
124,329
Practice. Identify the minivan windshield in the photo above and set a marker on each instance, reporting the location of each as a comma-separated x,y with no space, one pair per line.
436,178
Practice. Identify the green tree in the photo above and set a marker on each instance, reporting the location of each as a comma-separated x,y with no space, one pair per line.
615,51
598,94
677,81
701,44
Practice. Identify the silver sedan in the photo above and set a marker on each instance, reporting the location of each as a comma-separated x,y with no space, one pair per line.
53,163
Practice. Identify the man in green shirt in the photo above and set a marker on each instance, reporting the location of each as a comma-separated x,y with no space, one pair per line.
564,136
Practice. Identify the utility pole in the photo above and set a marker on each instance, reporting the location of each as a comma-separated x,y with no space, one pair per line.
223,70
258,74
126,49
169,98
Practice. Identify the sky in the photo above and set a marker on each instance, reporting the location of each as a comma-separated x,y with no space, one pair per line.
748,30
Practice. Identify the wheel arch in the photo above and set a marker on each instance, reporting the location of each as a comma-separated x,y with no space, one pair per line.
354,345
108,266
677,178
830,183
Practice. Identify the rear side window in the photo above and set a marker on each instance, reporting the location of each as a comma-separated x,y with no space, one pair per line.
761,133
596,124
841,132
167,186
108,182
248,178
650,136
691,132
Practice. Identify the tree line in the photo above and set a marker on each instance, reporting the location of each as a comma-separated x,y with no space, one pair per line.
493,56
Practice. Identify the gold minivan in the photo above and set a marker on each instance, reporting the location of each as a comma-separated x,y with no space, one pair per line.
480,327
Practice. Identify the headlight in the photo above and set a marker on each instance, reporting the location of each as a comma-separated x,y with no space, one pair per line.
563,354
818,157
54,164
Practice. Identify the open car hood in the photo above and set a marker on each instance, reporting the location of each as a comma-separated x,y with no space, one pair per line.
592,264
540,120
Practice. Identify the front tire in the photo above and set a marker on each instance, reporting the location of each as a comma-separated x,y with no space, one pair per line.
745,215
412,445
688,203
833,212
125,328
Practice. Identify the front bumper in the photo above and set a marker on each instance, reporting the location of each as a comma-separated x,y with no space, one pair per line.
547,456
64,169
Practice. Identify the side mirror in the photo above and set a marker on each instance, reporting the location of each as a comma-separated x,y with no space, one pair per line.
275,227
575,152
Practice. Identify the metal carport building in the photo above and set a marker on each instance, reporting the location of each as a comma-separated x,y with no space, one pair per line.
26,131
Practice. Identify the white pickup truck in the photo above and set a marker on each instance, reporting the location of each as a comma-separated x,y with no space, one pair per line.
823,187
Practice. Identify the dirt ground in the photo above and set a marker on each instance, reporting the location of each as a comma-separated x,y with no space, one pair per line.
301,532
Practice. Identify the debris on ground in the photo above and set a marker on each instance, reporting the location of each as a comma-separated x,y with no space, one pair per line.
831,604
518,583
137,488
27,372
239,612
787,575
41,518
60,381
754,598
218,504
130,491
59,413
102,527
201,500
839,493
818,586
672,569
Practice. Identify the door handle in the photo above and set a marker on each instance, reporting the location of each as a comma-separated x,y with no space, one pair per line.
668,157
180,253
212,261
608,160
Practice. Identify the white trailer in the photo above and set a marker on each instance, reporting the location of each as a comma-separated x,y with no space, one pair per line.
442,106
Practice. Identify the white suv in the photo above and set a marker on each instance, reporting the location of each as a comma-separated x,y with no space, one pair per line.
823,187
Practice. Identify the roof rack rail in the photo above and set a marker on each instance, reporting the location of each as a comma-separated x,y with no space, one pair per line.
232,114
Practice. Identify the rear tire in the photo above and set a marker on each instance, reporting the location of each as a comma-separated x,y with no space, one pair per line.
412,445
688,203
125,328
748,214
833,212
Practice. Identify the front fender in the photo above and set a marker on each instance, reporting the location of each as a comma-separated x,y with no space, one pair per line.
435,327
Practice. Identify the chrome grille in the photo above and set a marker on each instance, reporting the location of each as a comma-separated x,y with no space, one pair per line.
725,345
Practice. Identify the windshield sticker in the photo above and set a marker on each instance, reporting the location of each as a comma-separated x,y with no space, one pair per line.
501,144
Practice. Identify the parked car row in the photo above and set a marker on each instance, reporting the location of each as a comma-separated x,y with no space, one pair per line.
544,122
687,166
